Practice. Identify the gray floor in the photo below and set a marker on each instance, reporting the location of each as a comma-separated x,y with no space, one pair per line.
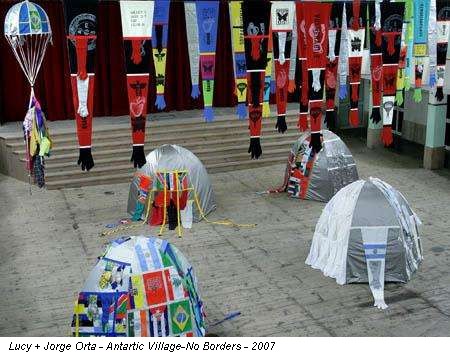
50,240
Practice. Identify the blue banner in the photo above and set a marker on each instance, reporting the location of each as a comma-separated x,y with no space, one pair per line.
207,19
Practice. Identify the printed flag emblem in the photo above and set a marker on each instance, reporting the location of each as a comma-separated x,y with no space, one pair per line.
180,316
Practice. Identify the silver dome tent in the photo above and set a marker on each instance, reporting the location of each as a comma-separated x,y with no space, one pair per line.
170,157
318,176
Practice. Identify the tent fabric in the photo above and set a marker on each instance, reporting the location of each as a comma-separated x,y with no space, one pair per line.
140,286
343,245
170,157
333,167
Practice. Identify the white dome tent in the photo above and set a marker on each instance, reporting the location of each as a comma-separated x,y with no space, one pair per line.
140,287
318,176
367,233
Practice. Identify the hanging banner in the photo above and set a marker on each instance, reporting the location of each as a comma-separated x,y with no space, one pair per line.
343,56
81,30
316,20
409,40
303,68
269,82
421,19
282,20
159,43
443,31
190,14
256,20
207,20
137,20
392,25
237,44
331,72
376,59
356,20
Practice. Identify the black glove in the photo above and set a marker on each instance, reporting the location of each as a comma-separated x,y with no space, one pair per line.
281,125
85,159
316,143
138,157
376,116
255,147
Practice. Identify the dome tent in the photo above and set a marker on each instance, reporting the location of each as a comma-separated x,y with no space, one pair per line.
318,176
170,157
367,233
141,286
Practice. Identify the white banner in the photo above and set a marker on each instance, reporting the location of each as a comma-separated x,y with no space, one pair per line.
137,19
243,346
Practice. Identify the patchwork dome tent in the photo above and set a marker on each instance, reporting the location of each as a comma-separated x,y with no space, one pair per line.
318,176
169,159
141,286
367,233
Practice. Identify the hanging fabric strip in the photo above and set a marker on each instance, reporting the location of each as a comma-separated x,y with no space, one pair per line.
237,44
375,244
190,15
207,19
282,21
269,84
400,85
432,45
293,58
303,69
256,21
442,26
446,87
317,19
137,19
392,26
447,128
397,120
421,18
159,43
331,72
81,29
376,62
356,18
409,39
343,56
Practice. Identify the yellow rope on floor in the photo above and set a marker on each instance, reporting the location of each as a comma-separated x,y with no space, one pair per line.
225,222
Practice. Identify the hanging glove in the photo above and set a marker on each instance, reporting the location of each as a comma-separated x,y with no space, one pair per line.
330,119
316,80
439,93
82,88
376,115
281,125
138,156
255,147
316,142
85,159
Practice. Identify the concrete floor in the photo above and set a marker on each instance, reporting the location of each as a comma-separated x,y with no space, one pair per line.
50,241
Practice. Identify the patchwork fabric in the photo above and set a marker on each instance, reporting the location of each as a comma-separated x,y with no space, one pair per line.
155,295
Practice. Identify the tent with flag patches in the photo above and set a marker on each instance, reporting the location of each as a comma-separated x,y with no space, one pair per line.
140,287
170,162
318,176
367,233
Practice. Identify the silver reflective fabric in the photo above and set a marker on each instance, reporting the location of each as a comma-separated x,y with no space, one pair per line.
376,208
170,157
333,169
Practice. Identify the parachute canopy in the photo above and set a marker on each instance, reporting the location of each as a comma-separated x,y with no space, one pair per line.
28,31
26,18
